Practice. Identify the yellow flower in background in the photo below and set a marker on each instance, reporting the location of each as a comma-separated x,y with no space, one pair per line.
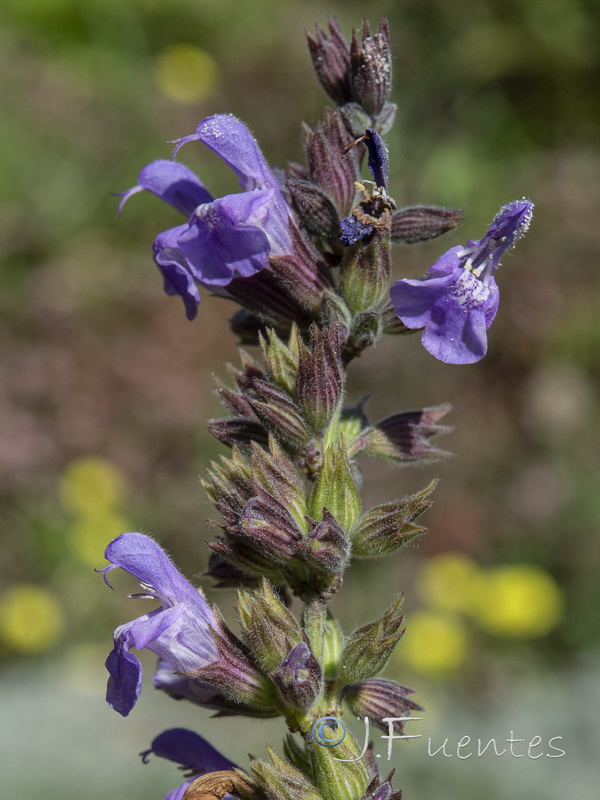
519,600
185,73
90,534
434,644
450,582
31,620
92,490
93,483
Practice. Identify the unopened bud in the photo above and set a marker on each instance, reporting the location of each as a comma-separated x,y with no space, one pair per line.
273,472
314,208
236,674
319,384
333,171
404,438
237,431
420,223
371,68
280,780
270,528
378,699
298,677
276,409
365,275
281,358
370,647
334,489
385,528
326,548
269,628
331,60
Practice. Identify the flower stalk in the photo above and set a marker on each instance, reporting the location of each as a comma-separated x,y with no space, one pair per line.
308,259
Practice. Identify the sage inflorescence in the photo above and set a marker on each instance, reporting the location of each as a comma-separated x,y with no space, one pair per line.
306,255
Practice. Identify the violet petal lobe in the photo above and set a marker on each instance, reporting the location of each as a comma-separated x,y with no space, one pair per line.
172,182
125,678
190,750
220,242
171,262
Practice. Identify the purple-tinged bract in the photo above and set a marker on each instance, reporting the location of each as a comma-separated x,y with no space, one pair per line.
226,238
178,632
457,300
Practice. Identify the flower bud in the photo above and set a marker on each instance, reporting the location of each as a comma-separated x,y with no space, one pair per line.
365,275
369,648
385,528
378,699
236,674
298,677
314,208
269,628
334,489
276,409
235,402
371,68
331,60
280,780
319,384
403,438
272,471
420,223
330,168
326,550
270,528
237,431
281,359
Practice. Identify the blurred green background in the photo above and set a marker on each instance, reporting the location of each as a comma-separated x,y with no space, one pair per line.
105,386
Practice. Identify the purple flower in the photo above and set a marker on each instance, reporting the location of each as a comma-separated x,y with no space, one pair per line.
225,238
457,300
193,752
178,632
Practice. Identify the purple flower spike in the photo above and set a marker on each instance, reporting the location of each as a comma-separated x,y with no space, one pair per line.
457,300
189,750
226,238
178,632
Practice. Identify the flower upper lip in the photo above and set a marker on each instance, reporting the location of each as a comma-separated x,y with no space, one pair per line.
179,631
